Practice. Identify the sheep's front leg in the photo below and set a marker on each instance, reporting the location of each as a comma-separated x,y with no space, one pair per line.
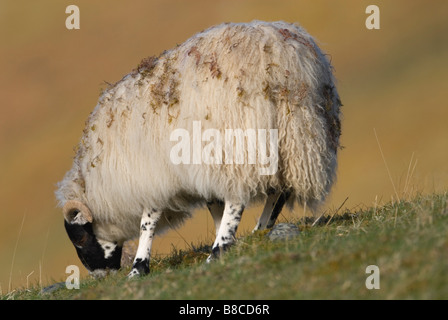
229,224
147,228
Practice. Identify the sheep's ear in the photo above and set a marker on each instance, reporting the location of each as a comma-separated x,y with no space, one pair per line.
78,223
75,212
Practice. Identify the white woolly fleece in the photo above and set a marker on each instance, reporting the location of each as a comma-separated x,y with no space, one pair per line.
256,75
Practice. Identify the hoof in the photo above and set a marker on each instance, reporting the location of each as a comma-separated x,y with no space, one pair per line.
139,268
134,274
218,251
209,259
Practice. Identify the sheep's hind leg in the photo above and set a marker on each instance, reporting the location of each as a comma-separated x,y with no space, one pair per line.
273,207
226,234
278,208
267,210
147,227
216,208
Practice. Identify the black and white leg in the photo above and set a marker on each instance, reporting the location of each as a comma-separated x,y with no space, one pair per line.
147,228
226,233
216,208
277,209
274,205
267,210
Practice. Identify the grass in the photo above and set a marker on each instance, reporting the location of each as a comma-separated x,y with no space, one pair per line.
407,240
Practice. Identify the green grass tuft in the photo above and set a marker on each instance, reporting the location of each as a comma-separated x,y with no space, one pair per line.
407,240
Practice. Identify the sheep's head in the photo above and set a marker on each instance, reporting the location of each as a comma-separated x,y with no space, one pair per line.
97,255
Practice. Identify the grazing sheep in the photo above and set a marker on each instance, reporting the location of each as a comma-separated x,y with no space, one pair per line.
133,173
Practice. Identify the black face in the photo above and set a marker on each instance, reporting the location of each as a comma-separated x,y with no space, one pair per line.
94,254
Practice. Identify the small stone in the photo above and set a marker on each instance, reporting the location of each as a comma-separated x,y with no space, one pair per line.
53,287
283,231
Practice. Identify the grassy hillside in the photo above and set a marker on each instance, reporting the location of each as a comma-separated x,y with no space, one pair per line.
407,240
392,79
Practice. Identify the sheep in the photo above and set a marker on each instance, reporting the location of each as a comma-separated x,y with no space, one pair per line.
265,76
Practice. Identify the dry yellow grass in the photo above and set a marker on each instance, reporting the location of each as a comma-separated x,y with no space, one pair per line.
392,79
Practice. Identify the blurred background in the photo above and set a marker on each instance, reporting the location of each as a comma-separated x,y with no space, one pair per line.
392,81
